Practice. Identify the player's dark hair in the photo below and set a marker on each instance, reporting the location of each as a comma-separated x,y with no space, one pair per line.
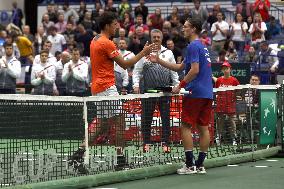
106,19
195,23
8,45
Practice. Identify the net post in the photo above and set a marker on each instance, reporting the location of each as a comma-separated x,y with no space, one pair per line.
85,118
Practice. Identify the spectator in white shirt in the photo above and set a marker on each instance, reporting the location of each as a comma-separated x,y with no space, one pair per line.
10,70
238,31
58,41
75,75
219,31
43,75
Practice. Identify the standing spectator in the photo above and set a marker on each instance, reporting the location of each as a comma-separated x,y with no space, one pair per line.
226,103
27,33
10,70
84,37
58,41
219,33
121,75
61,24
109,6
186,14
257,30
75,75
238,33
89,24
141,9
67,11
69,33
52,13
82,10
124,7
155,21
245,9
60,85
43,76
200,12
262,7
148,75
50,59
46,23
212,18
17,15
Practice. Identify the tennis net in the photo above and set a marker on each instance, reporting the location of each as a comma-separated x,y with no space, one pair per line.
40,134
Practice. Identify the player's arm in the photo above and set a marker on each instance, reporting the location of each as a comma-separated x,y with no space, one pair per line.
130,62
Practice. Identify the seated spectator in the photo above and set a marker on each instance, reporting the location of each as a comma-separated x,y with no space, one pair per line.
138,22
138,40
222,57
167,27
121,36
205,40
27,33
61,24
273,28
231,53
251,56
126,22
155,21
267,57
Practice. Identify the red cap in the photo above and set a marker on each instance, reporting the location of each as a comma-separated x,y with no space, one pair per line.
226,64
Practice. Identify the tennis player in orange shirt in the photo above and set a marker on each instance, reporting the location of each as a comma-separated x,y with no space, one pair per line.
103,54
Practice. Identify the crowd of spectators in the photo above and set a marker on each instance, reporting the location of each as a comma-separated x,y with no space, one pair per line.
68,31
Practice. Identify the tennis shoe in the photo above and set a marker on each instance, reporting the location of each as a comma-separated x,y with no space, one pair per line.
187,170
201,170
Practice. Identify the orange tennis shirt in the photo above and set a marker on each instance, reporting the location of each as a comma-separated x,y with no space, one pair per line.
102,51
